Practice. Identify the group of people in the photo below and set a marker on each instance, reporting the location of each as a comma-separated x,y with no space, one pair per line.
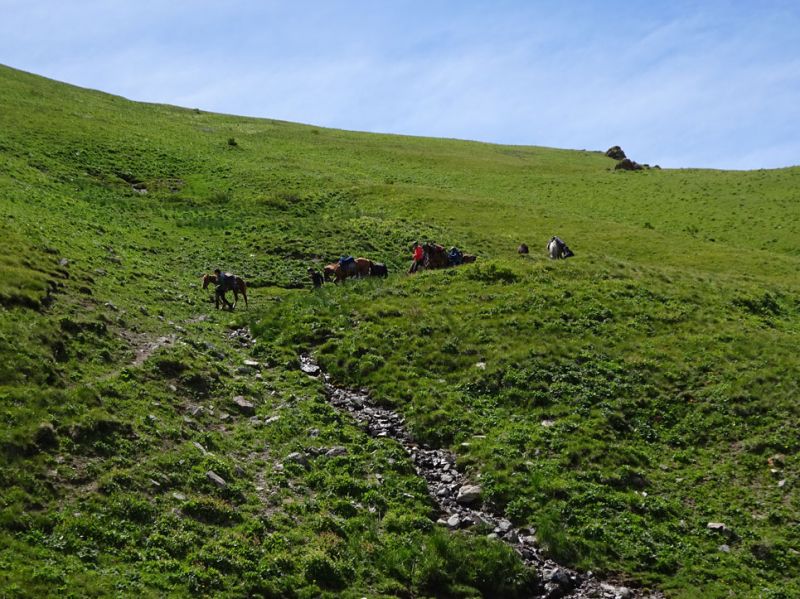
433,255
427,255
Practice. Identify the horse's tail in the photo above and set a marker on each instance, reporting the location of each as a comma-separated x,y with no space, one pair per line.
244,292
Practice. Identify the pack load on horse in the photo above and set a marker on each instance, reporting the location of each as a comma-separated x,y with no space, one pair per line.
348,265
558,249
455,256
224,282
431,255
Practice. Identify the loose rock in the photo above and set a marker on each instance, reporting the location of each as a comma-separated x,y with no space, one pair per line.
616,153
216,479
297,458
628,165
468,494
245,407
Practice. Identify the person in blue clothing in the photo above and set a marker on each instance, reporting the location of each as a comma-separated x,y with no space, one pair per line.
224,283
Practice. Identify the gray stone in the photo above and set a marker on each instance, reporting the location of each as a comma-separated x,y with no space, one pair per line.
244,406
560,577
468,494
626,164
307,366
724,548
336,451
454,521
179,496
297,458
216,479
717,527
272,419
616,153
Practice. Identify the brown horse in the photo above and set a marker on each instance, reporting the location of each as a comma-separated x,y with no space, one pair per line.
435,256
231,283
360,268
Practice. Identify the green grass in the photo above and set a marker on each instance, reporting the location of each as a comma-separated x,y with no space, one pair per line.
626,397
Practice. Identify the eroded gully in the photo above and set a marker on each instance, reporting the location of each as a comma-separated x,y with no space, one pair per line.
458,500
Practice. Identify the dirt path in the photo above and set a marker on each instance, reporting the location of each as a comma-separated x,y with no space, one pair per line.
453,494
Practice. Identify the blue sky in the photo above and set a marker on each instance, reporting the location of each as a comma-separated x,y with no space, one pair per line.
676,83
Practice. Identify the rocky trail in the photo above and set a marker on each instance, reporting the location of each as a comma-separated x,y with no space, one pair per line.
459,500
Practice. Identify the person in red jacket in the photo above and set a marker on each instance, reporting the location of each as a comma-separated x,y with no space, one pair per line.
418,257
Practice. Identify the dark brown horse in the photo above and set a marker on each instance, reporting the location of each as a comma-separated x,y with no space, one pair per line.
435,256
231,283
360,268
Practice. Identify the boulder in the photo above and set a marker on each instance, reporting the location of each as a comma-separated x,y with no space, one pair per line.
616,153
628,165
297,458
522,249
216,479
308,366
245,407
468,494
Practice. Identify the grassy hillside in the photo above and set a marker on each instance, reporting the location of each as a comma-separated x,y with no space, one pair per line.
616,402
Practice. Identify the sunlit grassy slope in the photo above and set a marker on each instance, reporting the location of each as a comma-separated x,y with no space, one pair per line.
624,399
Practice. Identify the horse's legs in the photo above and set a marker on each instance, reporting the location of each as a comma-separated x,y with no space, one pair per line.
225,302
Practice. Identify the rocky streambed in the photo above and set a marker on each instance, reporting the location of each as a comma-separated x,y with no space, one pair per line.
459,500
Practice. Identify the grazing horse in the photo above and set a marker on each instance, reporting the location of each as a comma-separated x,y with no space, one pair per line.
557,248
359,268
231,283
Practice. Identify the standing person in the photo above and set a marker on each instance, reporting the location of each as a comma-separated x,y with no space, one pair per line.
224,280
418,256
316,279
